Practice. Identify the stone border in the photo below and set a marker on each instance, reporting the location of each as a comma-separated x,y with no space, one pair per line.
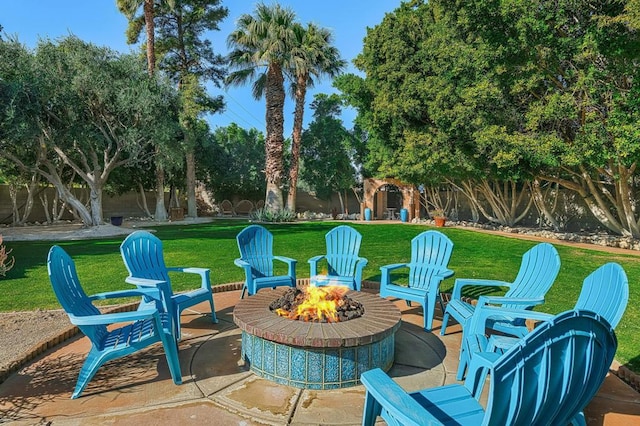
622,372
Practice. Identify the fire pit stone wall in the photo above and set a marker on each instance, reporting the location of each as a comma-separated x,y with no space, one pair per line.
316,355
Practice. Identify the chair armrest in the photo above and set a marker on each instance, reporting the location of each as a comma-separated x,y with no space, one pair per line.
291,266
150,292
316,258
394,399
480,361
204,273
106,319
501,300
189,270
385,272
313,264
482,314
285,259
465,282
144,282
360,264
393,267
444,273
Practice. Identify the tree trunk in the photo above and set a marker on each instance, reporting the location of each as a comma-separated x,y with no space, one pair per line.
143,204
150,26
274,142
192,207
298,115
161,210
95,197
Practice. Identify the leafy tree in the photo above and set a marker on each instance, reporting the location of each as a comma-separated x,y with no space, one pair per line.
190,62
88,109
232,163
131,8
570,70
313,56
262,45
327,149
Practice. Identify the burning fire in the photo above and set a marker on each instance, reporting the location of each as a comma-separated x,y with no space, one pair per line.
317,304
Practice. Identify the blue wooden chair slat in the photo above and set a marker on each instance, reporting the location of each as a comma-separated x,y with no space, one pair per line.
139,329
143,255
344,263
547,378
255,244
538,270
430,254
605,291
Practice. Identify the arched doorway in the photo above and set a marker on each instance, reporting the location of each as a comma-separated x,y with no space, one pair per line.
387,197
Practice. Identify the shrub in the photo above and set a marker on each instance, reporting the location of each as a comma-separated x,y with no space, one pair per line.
264,215
6,263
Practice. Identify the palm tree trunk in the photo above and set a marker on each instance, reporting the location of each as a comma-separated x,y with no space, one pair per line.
192,210
150,26
298,115
274,143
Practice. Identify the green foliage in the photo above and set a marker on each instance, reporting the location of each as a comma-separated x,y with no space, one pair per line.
272,216
232,162
327,151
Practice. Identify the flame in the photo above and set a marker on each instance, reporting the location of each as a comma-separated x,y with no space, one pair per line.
320,303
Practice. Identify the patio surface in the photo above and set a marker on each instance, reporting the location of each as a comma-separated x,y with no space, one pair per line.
218,389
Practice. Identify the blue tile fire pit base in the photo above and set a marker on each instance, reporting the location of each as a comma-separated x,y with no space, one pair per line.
314,355
315,368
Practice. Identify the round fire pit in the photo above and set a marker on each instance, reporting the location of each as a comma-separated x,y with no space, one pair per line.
315,355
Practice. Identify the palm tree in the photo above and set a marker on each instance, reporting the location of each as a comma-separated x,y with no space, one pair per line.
261,48
129,8
313,56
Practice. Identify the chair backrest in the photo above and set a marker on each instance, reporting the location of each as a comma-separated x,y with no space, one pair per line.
430,253
538,270
343,248
255,243
553,372
243,207
66,286
226,206
606,292
143,256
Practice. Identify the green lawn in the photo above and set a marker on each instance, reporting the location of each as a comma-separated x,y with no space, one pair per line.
213,245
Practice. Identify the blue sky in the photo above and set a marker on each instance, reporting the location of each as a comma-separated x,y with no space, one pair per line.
99,21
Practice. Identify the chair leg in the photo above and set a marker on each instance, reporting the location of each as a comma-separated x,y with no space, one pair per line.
89,368
464,361
372,409
214,319
171,353
445,320
244,289
428,310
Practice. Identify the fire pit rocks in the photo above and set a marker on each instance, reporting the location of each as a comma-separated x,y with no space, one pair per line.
316,355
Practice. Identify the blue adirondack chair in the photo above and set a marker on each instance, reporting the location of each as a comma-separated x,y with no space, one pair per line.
430,254
140,328
538,270
256,258
143,256
343,262
605,291
546,379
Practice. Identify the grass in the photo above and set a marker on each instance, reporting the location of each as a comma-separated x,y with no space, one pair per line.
213,245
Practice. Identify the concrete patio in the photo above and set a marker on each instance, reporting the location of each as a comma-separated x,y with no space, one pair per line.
218,389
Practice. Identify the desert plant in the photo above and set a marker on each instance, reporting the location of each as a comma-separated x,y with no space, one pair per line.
265,215
6,262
